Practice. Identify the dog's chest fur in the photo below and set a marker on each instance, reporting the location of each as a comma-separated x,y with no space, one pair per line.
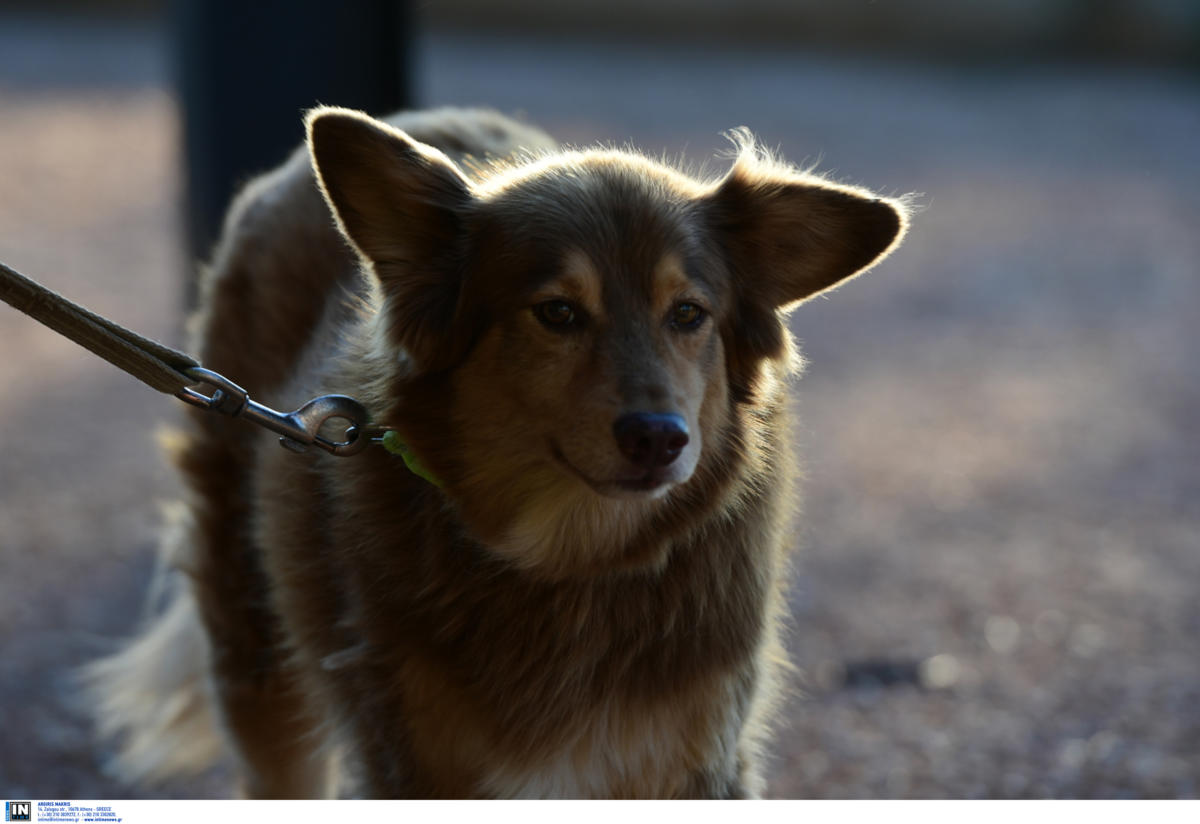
622,753
680,745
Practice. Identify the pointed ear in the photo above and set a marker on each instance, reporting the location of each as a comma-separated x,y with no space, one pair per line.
789,236
400,203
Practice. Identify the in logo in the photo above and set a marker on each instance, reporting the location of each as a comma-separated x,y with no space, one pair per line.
18,811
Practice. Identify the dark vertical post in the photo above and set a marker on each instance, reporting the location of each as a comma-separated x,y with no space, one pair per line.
248,69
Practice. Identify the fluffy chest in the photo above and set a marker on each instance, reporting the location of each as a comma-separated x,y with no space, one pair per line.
669,743
628,752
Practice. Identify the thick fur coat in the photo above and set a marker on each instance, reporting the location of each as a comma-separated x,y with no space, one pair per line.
587,350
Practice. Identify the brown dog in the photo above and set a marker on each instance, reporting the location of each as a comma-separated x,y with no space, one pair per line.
586,350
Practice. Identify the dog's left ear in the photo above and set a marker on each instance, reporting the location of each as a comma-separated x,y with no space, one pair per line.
400,203
789,236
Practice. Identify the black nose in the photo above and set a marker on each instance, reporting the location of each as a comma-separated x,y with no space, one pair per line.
648,440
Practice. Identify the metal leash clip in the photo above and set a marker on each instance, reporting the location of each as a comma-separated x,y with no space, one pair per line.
298,429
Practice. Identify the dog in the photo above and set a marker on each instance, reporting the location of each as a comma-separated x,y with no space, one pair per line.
576,591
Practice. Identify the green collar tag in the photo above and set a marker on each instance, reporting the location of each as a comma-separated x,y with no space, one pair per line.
393,443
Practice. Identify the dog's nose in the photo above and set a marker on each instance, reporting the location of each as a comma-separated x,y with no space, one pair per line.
650,441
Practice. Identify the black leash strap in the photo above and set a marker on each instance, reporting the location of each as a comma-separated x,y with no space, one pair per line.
158,366
173,372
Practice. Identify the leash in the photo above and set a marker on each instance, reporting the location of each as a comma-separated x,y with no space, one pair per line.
174,373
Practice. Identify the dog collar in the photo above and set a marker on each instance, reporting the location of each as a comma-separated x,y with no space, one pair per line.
393,443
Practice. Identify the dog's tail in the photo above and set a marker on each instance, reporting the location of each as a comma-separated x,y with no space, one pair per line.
152,695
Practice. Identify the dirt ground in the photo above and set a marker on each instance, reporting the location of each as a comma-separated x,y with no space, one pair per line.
997,577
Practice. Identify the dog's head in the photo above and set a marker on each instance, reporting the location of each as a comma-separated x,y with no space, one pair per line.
591,322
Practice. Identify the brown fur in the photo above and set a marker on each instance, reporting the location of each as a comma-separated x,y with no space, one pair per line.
537,626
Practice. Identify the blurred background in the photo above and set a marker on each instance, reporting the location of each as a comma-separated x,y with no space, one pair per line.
997,577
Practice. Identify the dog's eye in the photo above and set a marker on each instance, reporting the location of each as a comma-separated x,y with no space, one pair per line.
556,314
687,316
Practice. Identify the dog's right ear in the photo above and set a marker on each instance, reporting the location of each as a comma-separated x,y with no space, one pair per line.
400,204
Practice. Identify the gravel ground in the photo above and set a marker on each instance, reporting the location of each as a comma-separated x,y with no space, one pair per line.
995,589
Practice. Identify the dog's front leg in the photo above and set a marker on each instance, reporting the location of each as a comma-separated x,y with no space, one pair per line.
278,754
258,695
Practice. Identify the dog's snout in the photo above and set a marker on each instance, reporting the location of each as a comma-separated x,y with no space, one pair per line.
649,440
